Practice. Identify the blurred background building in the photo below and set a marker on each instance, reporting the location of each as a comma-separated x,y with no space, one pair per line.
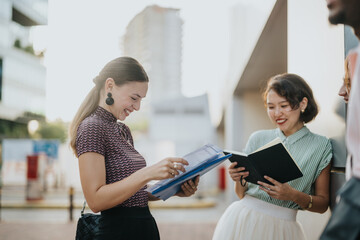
154,38
22,82
177,125
22,72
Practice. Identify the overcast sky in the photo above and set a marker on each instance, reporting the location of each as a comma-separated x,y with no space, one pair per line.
83,35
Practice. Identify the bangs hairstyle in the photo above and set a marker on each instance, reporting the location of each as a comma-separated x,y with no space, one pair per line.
293,88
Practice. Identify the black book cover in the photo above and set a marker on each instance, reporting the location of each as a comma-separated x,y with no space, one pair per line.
272,160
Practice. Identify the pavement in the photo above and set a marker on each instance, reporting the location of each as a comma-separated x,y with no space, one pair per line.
61,231
49,218
192,218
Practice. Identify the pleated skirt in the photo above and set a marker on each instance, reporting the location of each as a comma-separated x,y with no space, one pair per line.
251,218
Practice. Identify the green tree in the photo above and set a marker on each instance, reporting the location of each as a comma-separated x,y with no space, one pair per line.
52,130
17,43
12,129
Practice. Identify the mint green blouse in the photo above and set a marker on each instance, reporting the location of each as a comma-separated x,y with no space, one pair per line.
311,152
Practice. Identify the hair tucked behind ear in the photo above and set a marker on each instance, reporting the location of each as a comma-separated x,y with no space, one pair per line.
122,70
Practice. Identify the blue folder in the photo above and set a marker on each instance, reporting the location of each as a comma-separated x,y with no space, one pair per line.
200,162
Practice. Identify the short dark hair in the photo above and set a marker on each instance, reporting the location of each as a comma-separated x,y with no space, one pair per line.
293,88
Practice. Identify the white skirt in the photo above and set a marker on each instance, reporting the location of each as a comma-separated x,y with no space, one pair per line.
251,218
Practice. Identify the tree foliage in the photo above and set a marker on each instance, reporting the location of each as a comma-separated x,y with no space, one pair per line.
10,129
52,130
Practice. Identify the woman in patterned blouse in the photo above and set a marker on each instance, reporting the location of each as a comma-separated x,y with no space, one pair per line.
269,211
113,174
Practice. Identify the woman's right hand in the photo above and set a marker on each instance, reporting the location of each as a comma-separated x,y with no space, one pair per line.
167,168
236,173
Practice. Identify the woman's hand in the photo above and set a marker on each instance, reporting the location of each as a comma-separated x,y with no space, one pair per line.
281,191
167,168
237,173
188,188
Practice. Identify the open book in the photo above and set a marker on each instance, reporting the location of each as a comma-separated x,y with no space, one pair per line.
200,162
272,159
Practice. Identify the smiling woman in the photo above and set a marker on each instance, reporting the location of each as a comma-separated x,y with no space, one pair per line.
123,100
290,104
113,174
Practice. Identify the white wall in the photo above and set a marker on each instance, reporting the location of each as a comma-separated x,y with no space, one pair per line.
316,52
246,23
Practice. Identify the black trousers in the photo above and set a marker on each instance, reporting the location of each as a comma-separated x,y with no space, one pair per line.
127,224
345,219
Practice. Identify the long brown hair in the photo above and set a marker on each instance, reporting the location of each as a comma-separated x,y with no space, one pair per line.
122,70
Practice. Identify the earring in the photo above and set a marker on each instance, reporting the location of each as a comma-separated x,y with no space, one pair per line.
109,100
302,110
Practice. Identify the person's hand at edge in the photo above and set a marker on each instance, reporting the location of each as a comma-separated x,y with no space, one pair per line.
188,188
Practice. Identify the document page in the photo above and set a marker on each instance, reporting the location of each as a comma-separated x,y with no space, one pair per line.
200,161
202,155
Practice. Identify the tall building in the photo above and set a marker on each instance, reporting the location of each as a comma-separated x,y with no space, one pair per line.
22,73
154,38
177,125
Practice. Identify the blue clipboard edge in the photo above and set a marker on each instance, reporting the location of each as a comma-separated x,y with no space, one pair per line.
193,173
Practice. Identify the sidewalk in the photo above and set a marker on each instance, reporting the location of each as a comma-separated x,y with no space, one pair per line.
177,218
61,231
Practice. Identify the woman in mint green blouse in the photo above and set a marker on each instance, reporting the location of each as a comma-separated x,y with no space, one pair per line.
269,211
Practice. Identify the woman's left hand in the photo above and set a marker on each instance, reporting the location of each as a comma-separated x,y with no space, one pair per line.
281,191
188,188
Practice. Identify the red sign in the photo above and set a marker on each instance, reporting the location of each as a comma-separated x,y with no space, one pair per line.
32,167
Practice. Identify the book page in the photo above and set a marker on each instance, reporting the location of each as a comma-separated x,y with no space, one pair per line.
274,142
202,155
235,152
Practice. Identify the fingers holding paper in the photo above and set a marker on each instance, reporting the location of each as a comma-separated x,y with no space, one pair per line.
237,173
167,168
281,191
175,165
188,188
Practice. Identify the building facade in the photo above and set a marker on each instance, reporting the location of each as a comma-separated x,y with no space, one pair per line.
154,38
279,39
22,72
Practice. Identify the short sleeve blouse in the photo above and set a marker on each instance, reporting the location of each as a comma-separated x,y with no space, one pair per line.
101,133
311,152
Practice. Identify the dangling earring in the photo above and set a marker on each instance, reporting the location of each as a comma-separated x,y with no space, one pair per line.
109,100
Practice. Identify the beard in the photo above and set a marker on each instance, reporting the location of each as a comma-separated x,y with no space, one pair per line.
337,18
